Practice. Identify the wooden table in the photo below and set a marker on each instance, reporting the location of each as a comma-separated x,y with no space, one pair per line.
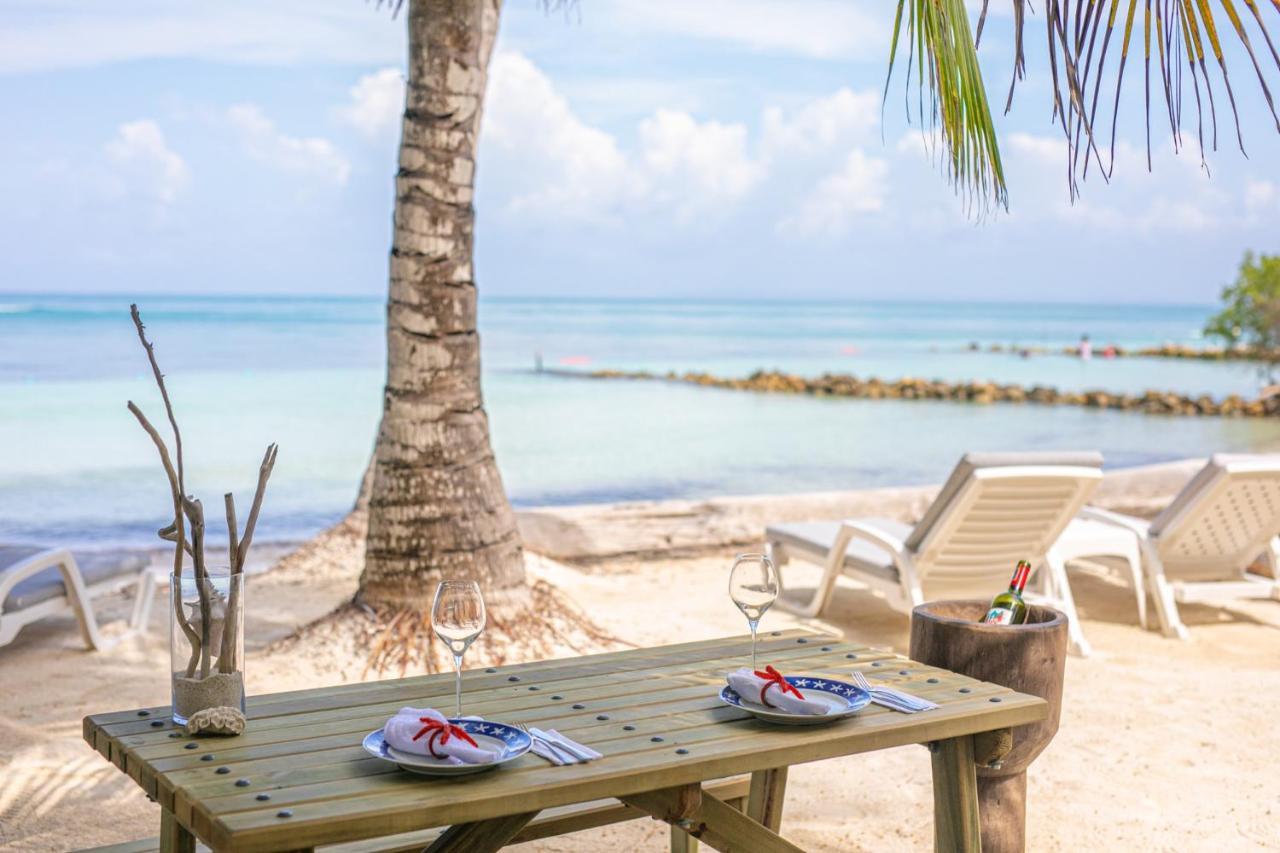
298,778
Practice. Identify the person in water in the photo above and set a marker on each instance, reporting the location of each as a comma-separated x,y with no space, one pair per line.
1085,350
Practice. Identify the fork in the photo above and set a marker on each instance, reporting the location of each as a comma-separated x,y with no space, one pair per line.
892,698
558,751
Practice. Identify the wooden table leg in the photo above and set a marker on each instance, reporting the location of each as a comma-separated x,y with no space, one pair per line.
710,820
682,842
174,837
768,790
482,836
955,796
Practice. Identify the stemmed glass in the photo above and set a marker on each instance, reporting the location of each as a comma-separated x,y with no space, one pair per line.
753,586
457,617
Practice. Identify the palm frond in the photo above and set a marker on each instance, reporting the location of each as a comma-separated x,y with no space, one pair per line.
946,58
1179,41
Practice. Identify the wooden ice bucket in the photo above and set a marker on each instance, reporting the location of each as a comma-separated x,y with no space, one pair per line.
1028,658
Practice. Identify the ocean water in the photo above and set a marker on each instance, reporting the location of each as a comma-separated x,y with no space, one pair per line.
307,373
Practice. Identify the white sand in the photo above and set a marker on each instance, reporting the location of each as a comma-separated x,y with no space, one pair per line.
1163,746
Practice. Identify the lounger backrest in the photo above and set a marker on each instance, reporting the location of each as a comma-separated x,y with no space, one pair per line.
994,510
1222,519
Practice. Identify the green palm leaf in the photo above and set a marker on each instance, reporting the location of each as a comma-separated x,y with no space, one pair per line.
1176,37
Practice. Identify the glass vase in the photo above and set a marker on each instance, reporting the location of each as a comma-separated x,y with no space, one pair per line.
207,665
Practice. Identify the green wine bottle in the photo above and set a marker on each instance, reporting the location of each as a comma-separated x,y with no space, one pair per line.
1008,608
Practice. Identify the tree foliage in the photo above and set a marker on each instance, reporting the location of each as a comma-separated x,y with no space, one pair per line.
1251,306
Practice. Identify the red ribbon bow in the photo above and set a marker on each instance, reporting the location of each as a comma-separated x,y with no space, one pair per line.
773,677
440,733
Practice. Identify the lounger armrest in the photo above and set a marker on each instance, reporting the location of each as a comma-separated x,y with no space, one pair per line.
880,538
32,565
1133,525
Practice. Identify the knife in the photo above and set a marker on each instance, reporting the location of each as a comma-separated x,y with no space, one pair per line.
560,742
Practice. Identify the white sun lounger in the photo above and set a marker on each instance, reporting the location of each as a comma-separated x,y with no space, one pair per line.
994,509
1199,548
36,583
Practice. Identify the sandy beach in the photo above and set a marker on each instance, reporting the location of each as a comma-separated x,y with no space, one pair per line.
1163,745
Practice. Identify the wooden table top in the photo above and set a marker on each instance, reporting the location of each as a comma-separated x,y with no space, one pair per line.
638,707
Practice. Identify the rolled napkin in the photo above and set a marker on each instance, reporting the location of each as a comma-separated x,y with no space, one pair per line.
768,688
425,731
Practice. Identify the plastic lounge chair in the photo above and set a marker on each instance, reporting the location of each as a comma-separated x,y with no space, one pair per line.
36,583
994,509
1200,547
1087,537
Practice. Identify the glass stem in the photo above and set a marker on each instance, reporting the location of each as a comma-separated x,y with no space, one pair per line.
457,683
753,623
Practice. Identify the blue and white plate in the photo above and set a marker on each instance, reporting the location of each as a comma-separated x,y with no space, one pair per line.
509,742
841,698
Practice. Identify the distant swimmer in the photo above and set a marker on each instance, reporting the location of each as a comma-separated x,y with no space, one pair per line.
1085,349
1109,351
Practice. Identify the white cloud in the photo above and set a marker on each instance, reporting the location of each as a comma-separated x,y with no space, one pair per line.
856,190
310,156
556,164
58,34
1259,195
843,117
820,29
562,166
143,161
696,165
377,103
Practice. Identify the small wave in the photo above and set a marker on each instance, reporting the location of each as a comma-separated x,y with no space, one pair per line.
15,308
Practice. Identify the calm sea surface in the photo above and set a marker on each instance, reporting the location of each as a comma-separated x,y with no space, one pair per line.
76,468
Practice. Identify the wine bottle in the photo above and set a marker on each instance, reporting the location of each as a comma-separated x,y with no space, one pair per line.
1008,608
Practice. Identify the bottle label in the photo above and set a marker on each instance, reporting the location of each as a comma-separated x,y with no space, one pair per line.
998,616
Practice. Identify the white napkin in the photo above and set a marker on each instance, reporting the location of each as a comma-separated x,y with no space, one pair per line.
749,685
400,730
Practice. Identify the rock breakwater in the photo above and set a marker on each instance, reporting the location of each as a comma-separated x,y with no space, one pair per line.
910,388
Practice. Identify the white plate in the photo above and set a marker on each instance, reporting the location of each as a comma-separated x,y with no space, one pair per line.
841,698
509,742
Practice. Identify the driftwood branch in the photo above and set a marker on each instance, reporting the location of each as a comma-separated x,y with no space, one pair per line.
264,474
188,511
177,480
175,532
195,516
227,654
164,394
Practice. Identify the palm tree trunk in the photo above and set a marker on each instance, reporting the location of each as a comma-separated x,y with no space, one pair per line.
437,508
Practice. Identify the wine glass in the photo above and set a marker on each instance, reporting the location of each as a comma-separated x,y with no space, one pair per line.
457,617
753,586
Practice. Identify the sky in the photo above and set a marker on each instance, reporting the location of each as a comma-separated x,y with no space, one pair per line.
721,149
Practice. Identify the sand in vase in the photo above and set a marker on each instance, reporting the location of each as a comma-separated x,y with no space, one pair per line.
218,690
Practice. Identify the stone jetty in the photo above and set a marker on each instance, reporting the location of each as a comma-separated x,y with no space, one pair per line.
909,388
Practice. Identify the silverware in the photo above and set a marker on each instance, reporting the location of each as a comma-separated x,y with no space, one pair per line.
592,754
891,698
564,755
564,743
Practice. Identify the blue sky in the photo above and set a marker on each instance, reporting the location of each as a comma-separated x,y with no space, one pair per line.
726,148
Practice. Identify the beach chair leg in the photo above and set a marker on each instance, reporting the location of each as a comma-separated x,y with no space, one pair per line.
1166,606
78,598
1065,600
955,796
1133,557
143,596
174,837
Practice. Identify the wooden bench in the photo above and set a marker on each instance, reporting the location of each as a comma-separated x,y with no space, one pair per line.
550,823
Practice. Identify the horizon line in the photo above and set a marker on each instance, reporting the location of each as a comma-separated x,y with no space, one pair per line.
725,300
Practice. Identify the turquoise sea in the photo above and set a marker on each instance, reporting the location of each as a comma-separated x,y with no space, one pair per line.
76,468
